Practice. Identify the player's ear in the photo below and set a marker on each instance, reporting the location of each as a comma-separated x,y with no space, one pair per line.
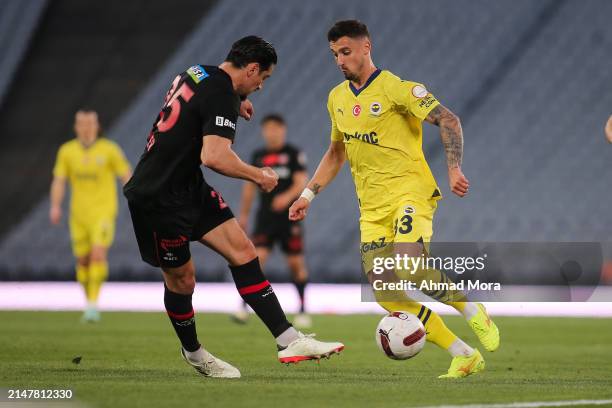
367,45
252,69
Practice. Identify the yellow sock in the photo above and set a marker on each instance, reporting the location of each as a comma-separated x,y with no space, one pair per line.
453,298
98,272
82,276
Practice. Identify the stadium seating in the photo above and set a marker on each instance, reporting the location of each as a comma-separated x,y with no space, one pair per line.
518,78
18,20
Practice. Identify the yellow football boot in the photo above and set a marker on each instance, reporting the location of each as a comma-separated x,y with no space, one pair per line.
462,366
484,328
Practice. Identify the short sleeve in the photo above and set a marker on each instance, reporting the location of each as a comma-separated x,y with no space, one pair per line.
61,163
220,113
412,98
298,161
119,163
336,135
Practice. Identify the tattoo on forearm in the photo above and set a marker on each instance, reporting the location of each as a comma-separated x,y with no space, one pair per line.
452,139
434,116
315,188
450,133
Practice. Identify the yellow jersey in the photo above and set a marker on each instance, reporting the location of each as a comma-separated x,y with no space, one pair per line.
381,127
91,172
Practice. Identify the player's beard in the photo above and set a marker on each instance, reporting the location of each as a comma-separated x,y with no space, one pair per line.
350,76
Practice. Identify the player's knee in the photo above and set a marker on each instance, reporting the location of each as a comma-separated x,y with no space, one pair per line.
244,251
98,254
83,260
184,283
181,279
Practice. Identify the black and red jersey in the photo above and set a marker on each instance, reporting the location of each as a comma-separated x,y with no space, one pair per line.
285,162
201,101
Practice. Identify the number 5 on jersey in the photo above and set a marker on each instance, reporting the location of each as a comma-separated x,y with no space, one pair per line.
174,104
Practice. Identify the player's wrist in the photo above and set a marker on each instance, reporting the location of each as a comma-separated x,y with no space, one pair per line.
308,194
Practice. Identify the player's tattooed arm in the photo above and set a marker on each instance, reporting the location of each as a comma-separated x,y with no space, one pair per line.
452,139
315,188
450,133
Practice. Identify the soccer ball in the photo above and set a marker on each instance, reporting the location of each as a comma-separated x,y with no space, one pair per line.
400,335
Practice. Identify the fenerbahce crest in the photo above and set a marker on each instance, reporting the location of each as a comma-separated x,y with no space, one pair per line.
375,109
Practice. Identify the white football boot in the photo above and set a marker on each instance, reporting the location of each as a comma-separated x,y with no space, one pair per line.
211,366
305,347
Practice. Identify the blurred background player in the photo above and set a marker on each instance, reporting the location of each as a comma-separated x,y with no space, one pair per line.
90,163
272,222
376,121
609,129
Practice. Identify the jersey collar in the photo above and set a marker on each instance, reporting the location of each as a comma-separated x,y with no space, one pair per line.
372,77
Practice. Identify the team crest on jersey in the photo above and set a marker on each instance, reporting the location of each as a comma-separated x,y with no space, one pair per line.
356,110
409,210
375,108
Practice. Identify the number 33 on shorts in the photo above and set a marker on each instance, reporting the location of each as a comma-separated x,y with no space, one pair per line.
413,221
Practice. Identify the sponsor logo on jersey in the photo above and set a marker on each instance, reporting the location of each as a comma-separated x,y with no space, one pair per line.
222,122
367,246
356,110
371,137
419,91
197,73
375,108
275,159
341,111
409,210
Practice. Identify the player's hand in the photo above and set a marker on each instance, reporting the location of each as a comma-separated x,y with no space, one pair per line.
268,179
298,209
246,109
281,202
55,215
457,181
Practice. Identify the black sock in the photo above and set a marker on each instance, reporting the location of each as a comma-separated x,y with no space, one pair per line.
181,314
257,293
301,288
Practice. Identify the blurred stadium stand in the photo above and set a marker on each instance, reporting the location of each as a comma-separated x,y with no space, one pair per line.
18,20
83,53
530,80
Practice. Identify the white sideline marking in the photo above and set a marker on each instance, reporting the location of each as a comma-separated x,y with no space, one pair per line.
534,404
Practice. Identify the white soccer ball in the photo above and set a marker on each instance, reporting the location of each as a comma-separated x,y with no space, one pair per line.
400,335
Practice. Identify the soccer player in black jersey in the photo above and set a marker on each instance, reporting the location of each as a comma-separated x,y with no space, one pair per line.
272,222
171,204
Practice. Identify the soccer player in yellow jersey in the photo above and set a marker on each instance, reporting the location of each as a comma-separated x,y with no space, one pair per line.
376,122
90,164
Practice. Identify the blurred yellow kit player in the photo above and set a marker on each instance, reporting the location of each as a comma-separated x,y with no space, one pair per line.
90,164
376,122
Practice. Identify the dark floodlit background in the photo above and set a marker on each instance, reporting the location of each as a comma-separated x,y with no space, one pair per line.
531,81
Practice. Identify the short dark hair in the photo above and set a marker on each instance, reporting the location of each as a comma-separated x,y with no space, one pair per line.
273,117
348,28
252,49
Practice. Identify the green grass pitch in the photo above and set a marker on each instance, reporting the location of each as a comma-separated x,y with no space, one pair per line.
132,360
